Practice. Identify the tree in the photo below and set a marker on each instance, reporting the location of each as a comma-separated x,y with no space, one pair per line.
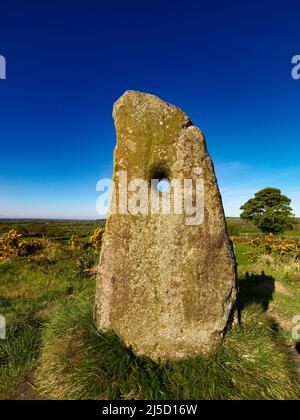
270,211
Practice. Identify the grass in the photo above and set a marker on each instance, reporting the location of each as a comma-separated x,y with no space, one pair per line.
18,354
78,362
30,291
47,301
238,227
278,283
241,254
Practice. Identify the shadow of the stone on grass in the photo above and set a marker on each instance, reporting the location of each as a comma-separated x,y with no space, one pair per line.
255,288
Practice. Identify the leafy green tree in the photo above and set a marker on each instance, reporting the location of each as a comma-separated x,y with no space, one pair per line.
270,211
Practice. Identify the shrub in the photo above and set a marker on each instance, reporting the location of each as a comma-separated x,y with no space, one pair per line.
280,249
233,229
12,246
75,243
97,238
30,247
9,245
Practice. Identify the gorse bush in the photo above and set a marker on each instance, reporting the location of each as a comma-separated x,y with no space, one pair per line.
75,243
86,255
12,246
9,245
280,249
97,238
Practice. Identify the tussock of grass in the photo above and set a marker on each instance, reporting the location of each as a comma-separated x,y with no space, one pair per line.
78,362
29,293
18,354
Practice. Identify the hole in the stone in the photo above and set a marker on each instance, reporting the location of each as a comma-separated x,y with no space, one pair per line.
161,174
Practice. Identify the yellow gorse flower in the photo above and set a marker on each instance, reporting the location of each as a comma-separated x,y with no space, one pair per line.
97,237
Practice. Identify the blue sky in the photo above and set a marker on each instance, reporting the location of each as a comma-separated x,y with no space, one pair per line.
225,63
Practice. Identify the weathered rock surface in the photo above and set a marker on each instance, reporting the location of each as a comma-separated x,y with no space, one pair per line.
165,287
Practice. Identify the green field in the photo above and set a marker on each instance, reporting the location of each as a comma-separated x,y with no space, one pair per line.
63,229
238,227
58,230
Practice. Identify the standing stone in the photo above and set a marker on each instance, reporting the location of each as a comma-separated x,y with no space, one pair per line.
165,287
